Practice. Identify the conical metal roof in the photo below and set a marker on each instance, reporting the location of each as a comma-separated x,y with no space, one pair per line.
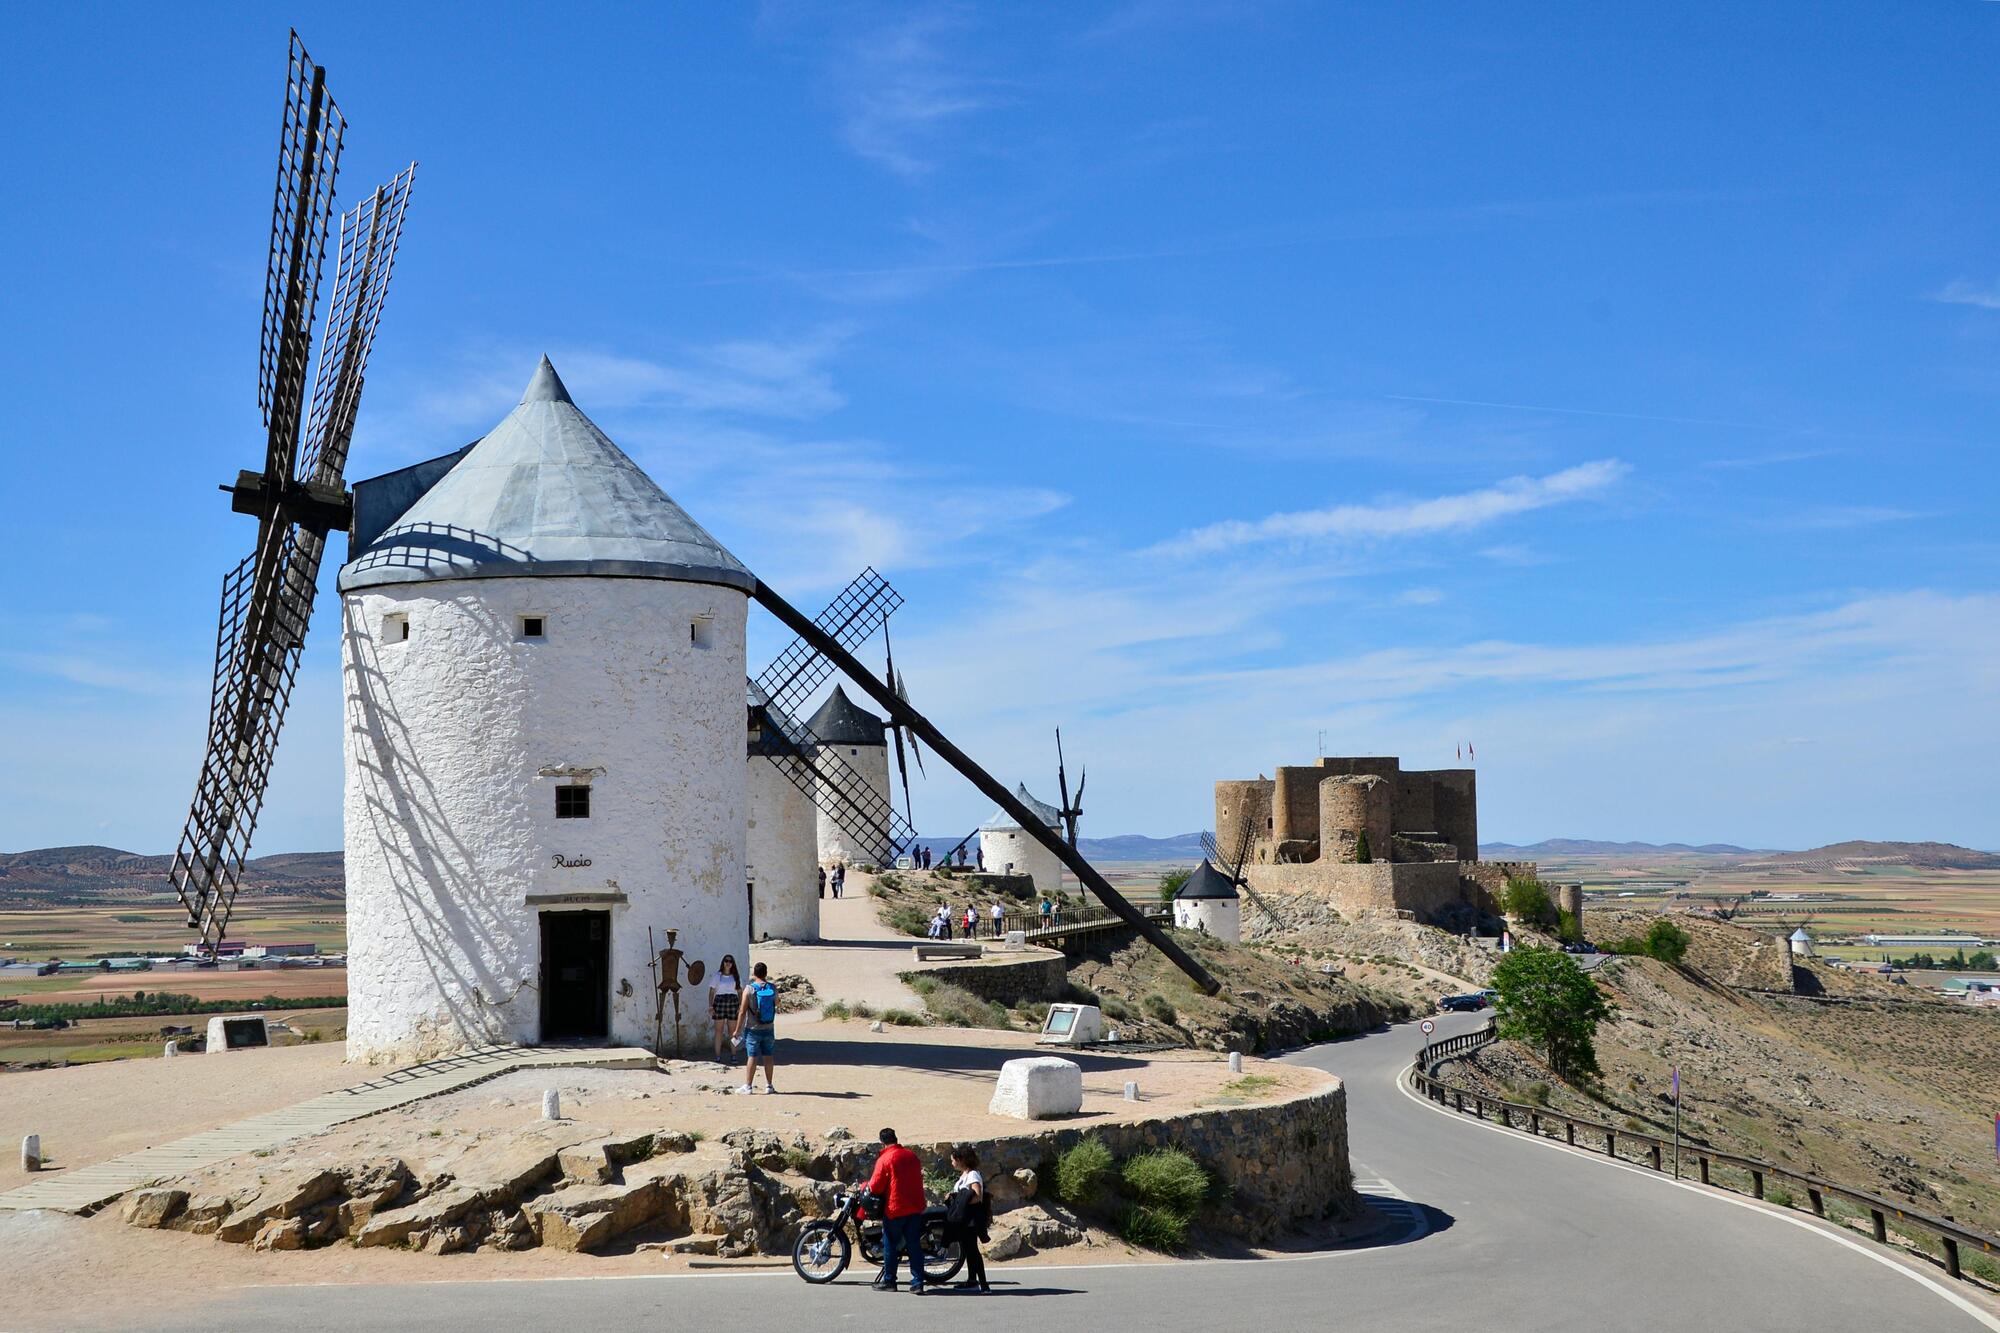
1001,822
546,493
840,721
1207,882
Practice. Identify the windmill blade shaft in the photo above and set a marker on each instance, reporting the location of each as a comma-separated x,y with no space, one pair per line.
838,656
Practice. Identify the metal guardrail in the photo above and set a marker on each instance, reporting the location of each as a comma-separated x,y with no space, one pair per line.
1541,1121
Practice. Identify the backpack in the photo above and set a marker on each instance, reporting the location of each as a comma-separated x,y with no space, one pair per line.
766,996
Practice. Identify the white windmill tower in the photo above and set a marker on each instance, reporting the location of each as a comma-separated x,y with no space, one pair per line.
858,739
1003,842
543,659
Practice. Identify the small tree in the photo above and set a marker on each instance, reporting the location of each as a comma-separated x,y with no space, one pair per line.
1362,856
1171,882
1983,961
1667,942
1528,900
1548,1002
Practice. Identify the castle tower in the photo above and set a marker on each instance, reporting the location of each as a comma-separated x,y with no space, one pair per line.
781,842
858,739
1002,843
543,663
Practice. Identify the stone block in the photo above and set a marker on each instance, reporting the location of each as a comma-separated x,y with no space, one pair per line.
287,1193
153,1208
1038,1089
286,1233
426,1214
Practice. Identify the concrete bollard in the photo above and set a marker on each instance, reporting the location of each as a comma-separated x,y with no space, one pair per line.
172,1050
1131,1092
31,1153
551,1105
1236,1062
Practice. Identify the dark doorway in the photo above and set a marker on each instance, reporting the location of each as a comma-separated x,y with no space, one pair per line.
750,896
576,976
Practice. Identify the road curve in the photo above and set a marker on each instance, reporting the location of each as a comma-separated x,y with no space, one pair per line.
1520,1236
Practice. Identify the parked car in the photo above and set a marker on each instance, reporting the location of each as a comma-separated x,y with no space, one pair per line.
1458,1004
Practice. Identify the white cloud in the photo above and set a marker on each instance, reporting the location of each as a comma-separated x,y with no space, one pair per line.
1963,291
898,88
1408,518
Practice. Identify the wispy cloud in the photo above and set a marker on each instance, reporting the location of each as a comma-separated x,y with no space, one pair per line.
1408,518
1767,460
1835,518
1963,291
900,86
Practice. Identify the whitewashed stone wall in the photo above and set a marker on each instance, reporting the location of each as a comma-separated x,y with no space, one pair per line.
454,742
1220,917
871,762
782,865
1000,846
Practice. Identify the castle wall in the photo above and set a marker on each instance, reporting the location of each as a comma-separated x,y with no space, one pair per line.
1295,808
1416,804
1457,809
1424,888
455,740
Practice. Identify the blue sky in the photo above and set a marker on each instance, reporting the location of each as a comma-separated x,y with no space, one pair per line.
1611,387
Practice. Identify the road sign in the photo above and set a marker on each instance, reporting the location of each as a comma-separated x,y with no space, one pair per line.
1430,1027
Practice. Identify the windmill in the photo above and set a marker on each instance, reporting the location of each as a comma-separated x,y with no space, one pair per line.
1071,810
300,495
896,728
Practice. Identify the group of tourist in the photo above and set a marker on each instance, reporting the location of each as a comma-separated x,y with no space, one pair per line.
943,919
898,1181
836,879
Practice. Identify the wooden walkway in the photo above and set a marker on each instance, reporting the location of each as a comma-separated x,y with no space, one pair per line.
85,1189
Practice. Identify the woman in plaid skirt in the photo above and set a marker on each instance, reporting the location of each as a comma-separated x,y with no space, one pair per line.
725,993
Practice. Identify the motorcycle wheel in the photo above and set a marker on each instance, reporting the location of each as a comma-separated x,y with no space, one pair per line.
821,1253
942,1258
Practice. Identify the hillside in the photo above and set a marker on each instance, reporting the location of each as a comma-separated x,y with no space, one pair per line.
86,876
1507,851
1924,855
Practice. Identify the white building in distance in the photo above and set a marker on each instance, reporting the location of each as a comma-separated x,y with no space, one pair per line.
543,662
857,738
1006,847
1208,902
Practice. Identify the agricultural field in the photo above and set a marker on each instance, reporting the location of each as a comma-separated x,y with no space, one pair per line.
97,1039
78,934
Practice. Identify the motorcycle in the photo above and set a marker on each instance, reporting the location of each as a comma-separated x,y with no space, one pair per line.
825,1246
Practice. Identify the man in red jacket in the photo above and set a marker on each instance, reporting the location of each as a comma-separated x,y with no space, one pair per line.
899,1179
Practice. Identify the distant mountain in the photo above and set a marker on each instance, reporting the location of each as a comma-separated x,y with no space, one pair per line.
1507,851
1138,847
1926,855
76,876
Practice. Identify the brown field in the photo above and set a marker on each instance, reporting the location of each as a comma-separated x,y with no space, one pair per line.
99,1039
86,988
77,933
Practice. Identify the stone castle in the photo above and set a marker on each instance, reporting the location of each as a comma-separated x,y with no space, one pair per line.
1365,832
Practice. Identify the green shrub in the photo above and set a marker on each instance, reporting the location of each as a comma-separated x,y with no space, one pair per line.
1779,1195
837,1009
1171,882
1538,1093
1159,1007
1080,1172
1667,942
1363,854
1075,994
1167,1179
860,1009
798,1159
909,920
1112,1007
1568,927
1153,1228
939,1181
1528,900
955,1006
904,1018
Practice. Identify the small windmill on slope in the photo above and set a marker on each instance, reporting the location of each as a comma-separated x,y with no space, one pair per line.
300,495
1227,852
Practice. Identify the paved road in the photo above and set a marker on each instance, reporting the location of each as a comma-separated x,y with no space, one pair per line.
1521,1237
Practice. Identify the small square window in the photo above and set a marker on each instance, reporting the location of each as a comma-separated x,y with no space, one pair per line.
701,632
396,628
534,627
573,802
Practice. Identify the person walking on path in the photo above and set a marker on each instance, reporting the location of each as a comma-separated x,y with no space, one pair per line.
998,913
967,1215
725,995
898,1179
1047,909
943,921
822,881
971,922
757,1028
839,877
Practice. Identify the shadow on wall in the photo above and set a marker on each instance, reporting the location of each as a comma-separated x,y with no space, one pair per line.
448,921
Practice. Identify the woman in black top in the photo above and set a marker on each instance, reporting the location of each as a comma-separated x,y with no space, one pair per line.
967,1213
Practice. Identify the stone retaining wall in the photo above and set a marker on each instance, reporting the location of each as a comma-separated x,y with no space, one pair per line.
1039,976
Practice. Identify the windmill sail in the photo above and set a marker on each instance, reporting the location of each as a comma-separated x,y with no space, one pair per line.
267,600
